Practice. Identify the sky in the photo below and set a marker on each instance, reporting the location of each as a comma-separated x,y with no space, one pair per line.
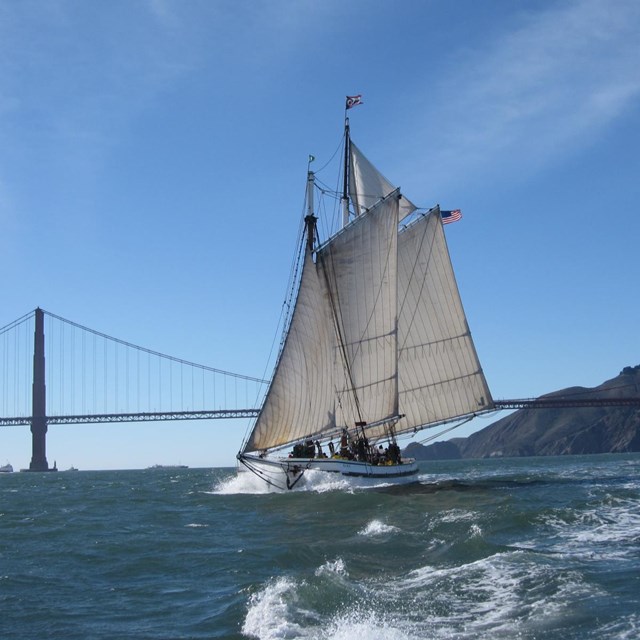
153,158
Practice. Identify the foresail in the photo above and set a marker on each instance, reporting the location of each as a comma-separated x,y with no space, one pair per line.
300,399
360,265
439,374
367,185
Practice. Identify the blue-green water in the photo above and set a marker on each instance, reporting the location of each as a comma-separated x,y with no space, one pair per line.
527,548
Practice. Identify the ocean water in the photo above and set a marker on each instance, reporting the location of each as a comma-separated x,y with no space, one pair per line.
522,548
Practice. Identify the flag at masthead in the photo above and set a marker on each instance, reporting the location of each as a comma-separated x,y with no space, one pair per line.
353,101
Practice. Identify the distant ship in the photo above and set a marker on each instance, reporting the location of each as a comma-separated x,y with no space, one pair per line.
168,466
6,468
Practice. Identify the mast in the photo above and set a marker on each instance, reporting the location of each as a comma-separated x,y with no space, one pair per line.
345,189
310,219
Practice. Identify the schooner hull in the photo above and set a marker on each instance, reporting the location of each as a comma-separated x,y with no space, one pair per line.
292,469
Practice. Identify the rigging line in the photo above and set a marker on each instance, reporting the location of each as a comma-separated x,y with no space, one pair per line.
156,353
441,433
325,190
338,148
292,303
294,289
260,474
286,310
331,221
296,256
295,262
325,221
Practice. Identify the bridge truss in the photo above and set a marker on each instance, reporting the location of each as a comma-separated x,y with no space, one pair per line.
219,414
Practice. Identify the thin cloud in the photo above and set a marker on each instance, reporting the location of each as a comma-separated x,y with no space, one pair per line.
543,90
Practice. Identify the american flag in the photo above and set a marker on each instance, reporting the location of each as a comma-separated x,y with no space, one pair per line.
354,101
451,216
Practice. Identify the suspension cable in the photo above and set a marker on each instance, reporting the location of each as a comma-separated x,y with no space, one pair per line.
157,353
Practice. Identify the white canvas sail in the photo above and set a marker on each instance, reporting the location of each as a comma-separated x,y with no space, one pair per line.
367,185
440,377
360,264
301,397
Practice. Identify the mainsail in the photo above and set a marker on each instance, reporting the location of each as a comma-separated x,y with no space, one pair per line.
378,335
360,266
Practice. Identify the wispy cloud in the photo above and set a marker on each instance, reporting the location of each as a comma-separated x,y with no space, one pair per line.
544,89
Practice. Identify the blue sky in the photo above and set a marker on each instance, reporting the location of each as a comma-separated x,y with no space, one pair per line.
153,162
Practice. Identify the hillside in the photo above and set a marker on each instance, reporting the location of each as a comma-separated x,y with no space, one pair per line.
550,432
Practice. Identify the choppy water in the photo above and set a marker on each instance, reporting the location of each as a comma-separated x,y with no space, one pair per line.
527,548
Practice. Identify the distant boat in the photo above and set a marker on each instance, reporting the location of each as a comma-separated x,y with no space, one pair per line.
72,468
168,466
6,468
377,344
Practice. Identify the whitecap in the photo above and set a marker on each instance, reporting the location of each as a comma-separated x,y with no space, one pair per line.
624,628
457,515
376,528
277,612
243,482
607,531
504,595
336,567
368,626
271,610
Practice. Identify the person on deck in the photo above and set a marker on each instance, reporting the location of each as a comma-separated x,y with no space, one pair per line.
344,444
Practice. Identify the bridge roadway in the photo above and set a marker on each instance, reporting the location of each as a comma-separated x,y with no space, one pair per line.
566,403
137,417
220,414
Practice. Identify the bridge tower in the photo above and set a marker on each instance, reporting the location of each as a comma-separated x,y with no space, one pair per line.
39,400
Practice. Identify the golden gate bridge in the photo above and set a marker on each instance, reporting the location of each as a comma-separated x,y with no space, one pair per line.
79,375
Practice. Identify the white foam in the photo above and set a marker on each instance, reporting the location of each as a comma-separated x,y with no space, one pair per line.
271,611
312,480
336,567
366,626
276,612
458,515
321,482
376,528
624,628
607,531
507,595
244,482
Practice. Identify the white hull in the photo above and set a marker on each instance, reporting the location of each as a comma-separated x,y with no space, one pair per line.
291,470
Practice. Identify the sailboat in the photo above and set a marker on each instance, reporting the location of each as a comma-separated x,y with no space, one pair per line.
377,345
